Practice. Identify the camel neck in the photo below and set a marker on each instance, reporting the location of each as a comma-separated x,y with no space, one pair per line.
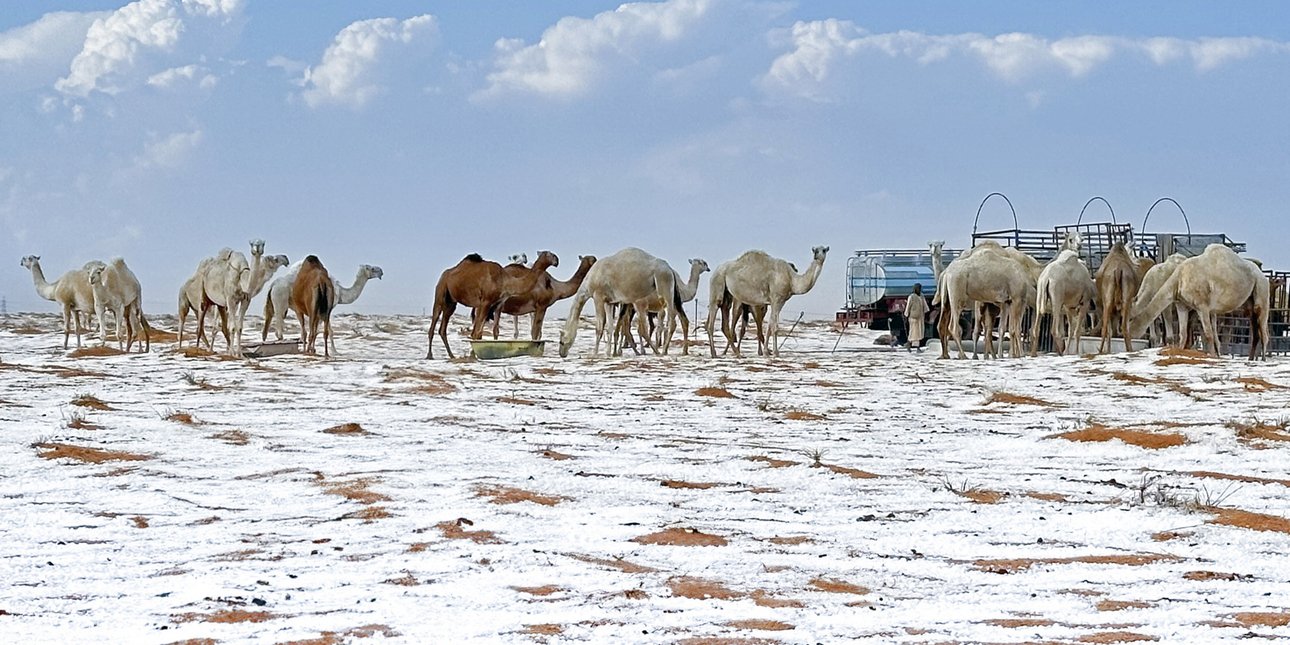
43,288
806,281
347,295
690,288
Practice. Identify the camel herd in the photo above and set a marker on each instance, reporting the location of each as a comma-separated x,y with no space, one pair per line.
1129,293
226,282
628,284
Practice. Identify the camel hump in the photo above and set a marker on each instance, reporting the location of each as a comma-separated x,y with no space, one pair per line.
473,257
312,260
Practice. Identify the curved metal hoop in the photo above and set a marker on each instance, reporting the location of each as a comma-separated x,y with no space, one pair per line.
1015,225
1180,210
1090,201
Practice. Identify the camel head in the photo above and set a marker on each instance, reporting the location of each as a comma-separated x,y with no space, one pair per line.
257,247
371,271
585,261
700,265
519,258
275,262
546,259
936,246
96,274
565,343
819,252
1072,241
30,261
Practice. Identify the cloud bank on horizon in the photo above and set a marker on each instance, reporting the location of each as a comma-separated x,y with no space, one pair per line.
684,126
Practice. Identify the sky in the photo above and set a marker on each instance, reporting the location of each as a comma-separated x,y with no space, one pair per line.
408,134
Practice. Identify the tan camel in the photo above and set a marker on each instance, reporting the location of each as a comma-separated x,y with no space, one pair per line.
720,302
116,288
479,284
535,275
1216,282
629,276
278,301
72,292
312,297
988,274
756,279
1065,290
190,298
545,292
1117,281
686,290
228,282
1152,281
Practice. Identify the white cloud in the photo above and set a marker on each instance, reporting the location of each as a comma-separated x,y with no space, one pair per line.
349,72
34,54
174,76
818,48
124,47
169,151
574,52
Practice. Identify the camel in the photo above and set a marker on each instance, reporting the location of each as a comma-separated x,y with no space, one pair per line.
545,292
72,291
313,295
115,287
685,292
1216,282
227,282
1065,290
479,284
521,303
278,302
1117,282
1152,281
629,276
756,279
988,274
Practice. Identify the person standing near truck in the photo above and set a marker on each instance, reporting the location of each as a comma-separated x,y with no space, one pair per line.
916,317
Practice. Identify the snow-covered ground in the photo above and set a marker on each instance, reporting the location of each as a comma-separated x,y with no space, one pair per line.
829,496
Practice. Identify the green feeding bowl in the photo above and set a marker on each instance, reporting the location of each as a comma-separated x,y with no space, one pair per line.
486,350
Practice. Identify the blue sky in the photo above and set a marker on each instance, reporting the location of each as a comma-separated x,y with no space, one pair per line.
407,134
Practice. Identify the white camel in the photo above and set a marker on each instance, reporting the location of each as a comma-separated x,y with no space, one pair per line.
228,282
758,280
629,276
115,287
686,290
278,301
987,274
1065,290
1152,282
1216,282
72,291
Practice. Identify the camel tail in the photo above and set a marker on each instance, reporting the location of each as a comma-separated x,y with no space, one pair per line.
1143,314
323,298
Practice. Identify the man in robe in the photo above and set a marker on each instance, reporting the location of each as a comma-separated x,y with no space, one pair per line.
916,317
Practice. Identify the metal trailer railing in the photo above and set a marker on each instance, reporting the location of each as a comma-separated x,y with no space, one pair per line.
1234,329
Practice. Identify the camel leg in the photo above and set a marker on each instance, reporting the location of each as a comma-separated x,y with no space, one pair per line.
1056,329
326,335
712,320
1126,308
448,308
434,322
1208,324
601,320
685,333
1264,333
67,324
100,311
497,326
1184,327
772,331
1106,328
539,315
642,327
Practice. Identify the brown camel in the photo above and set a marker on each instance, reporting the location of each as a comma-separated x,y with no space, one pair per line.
545,292
312,296
483,286
1118,280
517,271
